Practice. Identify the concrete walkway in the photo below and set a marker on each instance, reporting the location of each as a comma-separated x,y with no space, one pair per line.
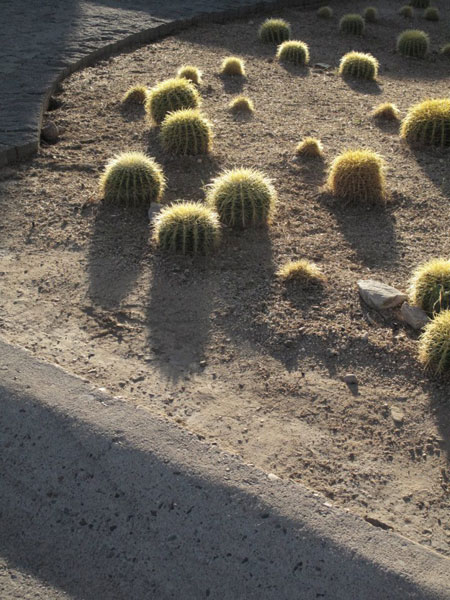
43,41
100,500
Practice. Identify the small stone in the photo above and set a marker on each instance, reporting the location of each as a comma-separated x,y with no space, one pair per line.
398,416
322,66
154,209
379,295
203,363
350,379
414,316
273,477
50,133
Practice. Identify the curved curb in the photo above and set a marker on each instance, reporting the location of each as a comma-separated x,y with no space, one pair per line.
22,151
101,499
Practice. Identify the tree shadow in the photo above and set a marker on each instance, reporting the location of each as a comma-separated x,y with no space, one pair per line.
118,244
116,510
178,316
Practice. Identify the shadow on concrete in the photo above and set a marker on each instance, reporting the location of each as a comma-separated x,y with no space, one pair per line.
100,517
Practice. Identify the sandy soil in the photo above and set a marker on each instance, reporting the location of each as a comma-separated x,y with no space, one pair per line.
219,344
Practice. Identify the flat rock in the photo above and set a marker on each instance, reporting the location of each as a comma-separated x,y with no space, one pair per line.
414,316
350,379
379,295
398,416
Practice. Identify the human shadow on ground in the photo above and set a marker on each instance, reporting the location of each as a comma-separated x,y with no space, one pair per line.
118,244
179,313
125,508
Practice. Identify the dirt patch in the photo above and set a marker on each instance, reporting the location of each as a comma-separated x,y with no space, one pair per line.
219,344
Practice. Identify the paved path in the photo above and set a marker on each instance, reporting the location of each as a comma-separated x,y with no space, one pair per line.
44,40
101,500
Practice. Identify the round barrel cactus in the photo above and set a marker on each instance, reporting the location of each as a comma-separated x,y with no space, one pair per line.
242,198
170,95
294,52
190,73
358,175
431,14
274,31
359,66
434,344
232,65
132,179
352,23
187,228
135,95
370,14
420,3
414,43
430,286
428,124
186,132
325,12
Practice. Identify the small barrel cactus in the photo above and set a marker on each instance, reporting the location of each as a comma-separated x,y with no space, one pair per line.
352,23
242,198
135,95
428,124
420,3
132,179
387,111
294,52
186,132
414,43
359,66
445,50
406,11
187,228
170,95
370,14
430,286
302,271
241,104
325,12
232,65
191,73
431,14
358,175
275,31
309,147
434,344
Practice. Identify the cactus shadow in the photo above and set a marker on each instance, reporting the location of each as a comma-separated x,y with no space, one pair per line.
434,164
178,314
362,86
132,112
118,244
391,126
311,169
294,70
369,230
233,84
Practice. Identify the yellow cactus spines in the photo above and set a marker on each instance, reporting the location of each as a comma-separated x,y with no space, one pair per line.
431,14
303,271
309,147
132,179
232,65
187,228
191,73
370,14
242,198
170,95
430,286
325,12
274,31
413,43
294,52
186,132
387,111
241,104
406,11
359,65
428,124
137,94
434,344
352,23
358,175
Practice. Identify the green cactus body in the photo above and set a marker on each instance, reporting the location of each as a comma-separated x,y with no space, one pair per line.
431,14
420,3
430,286
445,50
274,31
132,179
232,65
406,12
434,344
371,14
352,23
325,12
241,104
135,95
242,198
428,123
171,95
187,228
359,66
358,175
186,132
293,52
413,43
191,73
